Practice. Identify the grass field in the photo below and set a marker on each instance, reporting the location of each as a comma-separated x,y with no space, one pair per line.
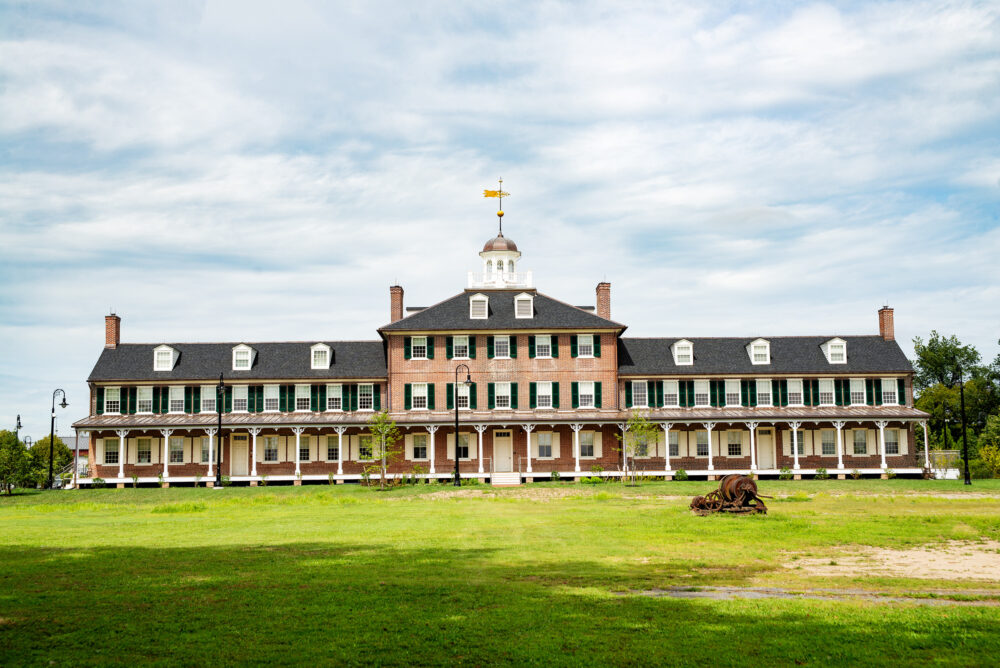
546,574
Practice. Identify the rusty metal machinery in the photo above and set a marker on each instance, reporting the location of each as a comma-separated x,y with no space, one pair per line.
736,494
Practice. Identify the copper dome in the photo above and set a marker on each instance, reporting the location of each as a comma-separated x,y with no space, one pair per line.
499,243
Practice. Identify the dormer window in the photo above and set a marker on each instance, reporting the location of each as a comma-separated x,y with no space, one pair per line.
163,358
683,352
524,306
835,351
478,307
320,354
759,351
242,357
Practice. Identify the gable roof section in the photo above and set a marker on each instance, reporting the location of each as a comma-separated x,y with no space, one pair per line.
453,314
789,354
204,361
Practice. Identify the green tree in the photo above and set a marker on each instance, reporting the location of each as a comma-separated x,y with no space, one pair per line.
640,435
385,435
15,463
941,359
61,455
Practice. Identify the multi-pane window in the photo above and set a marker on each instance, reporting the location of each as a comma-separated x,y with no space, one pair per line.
204,450
860,441
682,353
639,397
760,353
735,443
419,396
764,392
239,398
163,360
460,347
673,439
586,394
585,345
144,450
176,399
110,451
543,346
829,442
270,448
857,391
671,395
112,400
701,393
176,450
320,357
241,359
891,441
702,443
365,447
543,394
420,446
501,346
208,393
545,444
523,307
838,353
303,448
826,391
732,393
795,392
332,448
144,400
478,307
271,397
888,390
801,435
586,444
302,397
334,397
418,350
502,395
366,397
463,446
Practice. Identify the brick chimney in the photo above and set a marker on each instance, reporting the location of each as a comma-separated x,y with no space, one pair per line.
395,303
886,328
112,331
604,300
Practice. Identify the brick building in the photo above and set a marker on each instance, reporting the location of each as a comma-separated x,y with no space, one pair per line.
550,388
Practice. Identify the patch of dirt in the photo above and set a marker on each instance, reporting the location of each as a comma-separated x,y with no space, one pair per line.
954,560
729,593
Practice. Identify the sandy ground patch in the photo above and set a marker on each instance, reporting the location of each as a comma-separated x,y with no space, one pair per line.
955,560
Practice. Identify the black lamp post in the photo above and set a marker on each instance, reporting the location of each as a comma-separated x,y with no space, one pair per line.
220,396
52,428
467,383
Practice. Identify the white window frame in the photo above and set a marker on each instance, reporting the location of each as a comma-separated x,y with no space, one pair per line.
859,390
637,387
545,441
519,303
794,383
702,393
324,363
683,352
418,391
238,353
543,340
175,397
139,442
589,384
366,397
893,392
826,387
241,393
734,396
501,391
117,401
481,301
272,398
767,391
585,340
759,348
414,345
671,394
208,398
460,342
543,390
334,397
303,398
496,341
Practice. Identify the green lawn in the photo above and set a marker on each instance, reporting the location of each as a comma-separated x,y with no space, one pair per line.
542,575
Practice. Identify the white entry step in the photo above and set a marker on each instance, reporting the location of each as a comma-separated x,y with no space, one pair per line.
507,478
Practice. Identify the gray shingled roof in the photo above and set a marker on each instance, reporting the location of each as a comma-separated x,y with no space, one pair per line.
204,361
789,354
453,314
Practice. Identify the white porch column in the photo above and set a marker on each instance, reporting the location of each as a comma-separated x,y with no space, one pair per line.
710,426
752,426
795,442
253,449
666,443
166,452
576,443
528,428
839,424
480,428
432,429
340,449
298,439
211,450
122,433
881,424
927,452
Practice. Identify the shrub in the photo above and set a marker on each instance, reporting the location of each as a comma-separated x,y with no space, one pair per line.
97,482
785,473
555,476
681,474
856,474
821,474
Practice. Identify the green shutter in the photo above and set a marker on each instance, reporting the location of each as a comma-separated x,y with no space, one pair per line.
555,394
555,345
597,395
575,387
354,396
572,347
489,347
472,347
449,395
901,392
513,346
597,345
628,394
513,396
430,396
376,396
532,393
407,347
491,394
314,397
531,346
449,343
229,399
133,396
430,347
473,397
100,400
407,397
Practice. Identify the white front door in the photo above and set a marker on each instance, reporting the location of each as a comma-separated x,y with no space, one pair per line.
503,451
239,457
765,449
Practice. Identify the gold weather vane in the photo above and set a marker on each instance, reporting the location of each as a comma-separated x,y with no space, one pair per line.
500,194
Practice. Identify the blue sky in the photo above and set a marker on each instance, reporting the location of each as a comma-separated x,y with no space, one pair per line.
264,171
